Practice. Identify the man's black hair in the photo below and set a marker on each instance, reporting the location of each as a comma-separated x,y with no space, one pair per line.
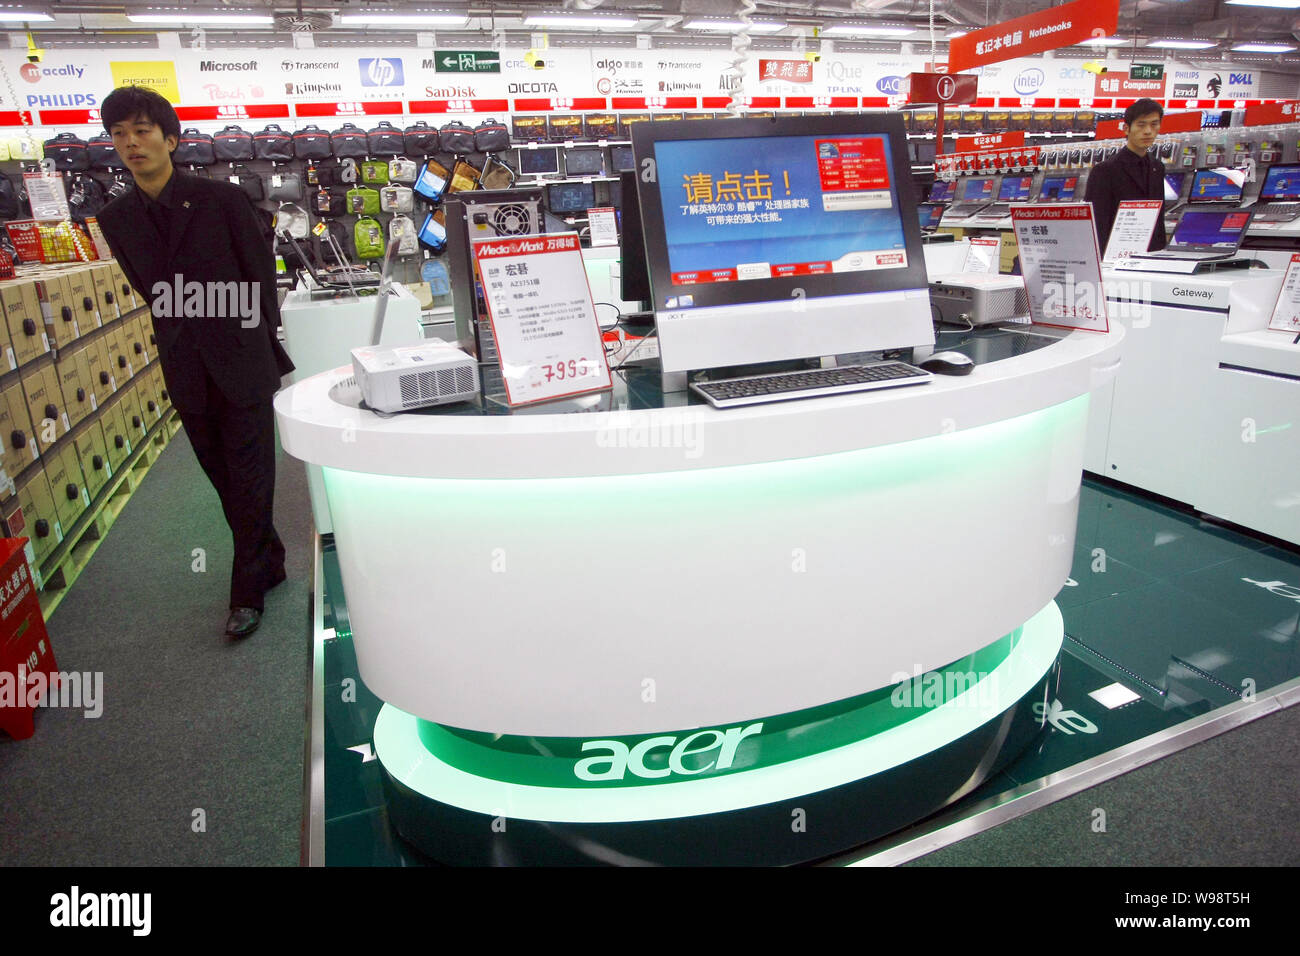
127,102
1143,107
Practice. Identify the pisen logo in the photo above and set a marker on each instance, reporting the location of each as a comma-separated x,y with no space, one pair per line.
75,909
208,300
611,759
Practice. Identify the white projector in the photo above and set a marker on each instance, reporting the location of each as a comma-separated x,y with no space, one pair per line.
978,298
395,379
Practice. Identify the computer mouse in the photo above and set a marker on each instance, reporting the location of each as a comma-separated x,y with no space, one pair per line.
947,363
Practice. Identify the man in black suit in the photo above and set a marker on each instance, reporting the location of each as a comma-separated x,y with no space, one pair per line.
192,245
1132,174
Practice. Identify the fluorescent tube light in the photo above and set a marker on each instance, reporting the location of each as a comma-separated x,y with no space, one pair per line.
866,30
1182,44
430,18
21,16
756,26
173,15
594,21
1275,4
1104,41
1263,47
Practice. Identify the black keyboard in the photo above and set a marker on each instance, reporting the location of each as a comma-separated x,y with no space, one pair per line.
813,383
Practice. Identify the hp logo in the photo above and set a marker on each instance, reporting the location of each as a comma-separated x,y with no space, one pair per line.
381,72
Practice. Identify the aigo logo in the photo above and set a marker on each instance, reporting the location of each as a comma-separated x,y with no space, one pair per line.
890,85
1029,81
381,72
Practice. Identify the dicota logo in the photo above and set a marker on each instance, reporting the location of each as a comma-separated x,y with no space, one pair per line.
617,758
1029,81
381,72
890,85
533,88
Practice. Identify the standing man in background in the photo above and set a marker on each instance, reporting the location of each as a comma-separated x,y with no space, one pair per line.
1132,174
222,369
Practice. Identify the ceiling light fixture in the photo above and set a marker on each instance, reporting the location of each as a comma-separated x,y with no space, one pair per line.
1275,4
590,20
404,18
182,16
755,26
20,15
1182,44
1262,48
1104,41
866,30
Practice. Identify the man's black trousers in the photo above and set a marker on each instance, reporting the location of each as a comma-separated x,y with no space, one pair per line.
235,446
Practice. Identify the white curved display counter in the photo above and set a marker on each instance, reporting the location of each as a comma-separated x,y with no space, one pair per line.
628,571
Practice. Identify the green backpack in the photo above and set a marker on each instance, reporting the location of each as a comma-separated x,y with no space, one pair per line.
369,237
374,171
363,201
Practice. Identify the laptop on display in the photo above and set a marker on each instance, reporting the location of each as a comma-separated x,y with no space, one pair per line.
1213,187
1279,197
1057,188
973,194
1204,234
1013,189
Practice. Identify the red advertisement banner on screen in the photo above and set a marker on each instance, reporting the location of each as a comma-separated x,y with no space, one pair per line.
1051,29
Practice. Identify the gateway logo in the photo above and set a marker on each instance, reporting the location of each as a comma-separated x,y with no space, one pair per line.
381,72
1029,81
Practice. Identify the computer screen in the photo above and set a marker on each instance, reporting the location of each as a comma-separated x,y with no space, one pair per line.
1015,188
636,277
570,197
1281,183
1058,188
975,189
929,214
621,157
1174,183
942,191
1204,227
584,162
1211,186
536,162
782,238
925,152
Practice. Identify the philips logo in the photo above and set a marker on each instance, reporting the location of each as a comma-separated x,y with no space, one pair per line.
381,72
1029,81
890,85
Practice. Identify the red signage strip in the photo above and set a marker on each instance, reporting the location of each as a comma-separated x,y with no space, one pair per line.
234,112
1109,129
1036,33
1180,123
966,144
69,117
366,108
458,106
1270,114
15,118
708,102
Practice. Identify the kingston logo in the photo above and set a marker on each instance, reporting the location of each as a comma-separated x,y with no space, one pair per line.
618,758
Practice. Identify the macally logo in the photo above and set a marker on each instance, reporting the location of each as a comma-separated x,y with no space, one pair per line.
534,88
618,758
381,72
1029,81
33,73
890,85
74,909
1214,84
1241,79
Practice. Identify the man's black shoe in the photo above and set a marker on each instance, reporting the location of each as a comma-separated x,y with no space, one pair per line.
278,577
243,621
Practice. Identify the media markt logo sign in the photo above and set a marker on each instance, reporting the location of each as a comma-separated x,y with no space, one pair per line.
381,72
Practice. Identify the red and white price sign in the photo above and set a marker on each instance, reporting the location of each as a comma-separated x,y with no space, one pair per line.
1135,220
542,317
1061,265
982,255
1286,313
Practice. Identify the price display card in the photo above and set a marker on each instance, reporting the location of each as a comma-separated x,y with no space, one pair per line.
1061,265
45,193
982,255
542,317
1286,314
604,226
1135,220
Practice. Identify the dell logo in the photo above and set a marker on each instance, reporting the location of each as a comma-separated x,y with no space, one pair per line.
1029,81
890,85
1240,79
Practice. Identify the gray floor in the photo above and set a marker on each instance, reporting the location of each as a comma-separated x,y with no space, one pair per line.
192,721
1227,801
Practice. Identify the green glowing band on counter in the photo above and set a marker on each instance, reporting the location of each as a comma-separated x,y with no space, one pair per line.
709,752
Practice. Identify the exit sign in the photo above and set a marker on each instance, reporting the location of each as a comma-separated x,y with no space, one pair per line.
467,61
1146,71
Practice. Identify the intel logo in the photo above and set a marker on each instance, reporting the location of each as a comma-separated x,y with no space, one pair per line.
890,85
1029,81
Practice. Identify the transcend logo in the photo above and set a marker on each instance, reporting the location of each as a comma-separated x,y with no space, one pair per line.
208,66
305,65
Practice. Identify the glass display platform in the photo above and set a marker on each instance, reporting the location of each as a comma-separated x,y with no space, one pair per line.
1168,618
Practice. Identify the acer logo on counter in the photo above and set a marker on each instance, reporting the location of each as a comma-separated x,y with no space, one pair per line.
617,758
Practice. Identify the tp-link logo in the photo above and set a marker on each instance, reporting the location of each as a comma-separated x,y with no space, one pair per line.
381,72
890,85
1029,81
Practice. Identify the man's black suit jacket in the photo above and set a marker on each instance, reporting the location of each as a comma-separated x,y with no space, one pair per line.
1127,176
215,238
